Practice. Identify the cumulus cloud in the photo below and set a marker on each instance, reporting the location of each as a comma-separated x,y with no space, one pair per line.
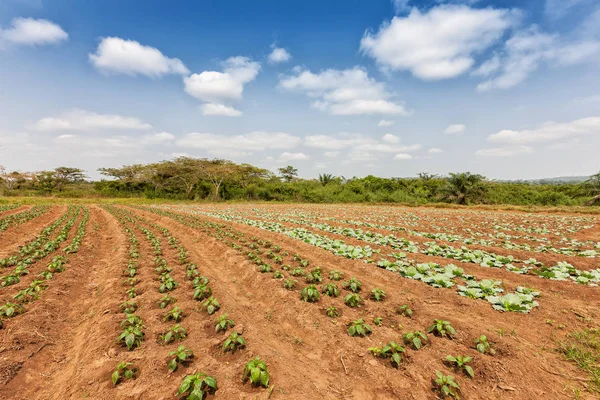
120,56
548,132
438,44
403,156
455,129
384,123
525,51
389,138
219,88
435,150
344,92
32,32
508,151
286,157
87,120
558,8
253,141
158,138
279,55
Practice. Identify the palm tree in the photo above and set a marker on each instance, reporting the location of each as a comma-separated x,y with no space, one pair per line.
464,187
324,179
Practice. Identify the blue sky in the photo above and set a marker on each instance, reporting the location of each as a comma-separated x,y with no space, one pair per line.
508,89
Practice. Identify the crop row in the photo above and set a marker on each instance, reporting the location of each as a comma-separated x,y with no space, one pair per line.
22,217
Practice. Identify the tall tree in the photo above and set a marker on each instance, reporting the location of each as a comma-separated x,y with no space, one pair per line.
288,173
66,175
464,187
593,184
325,179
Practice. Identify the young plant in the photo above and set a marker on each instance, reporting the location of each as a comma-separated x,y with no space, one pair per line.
197,386
483,346
336,275
310,294
359,328
405,311
132,293
442,328
314,276
264,268
180,356
332,312
289,284
277,275
223,324
167,285
391,350
353,300
202,292
9,310
416,339
446,385
166,300
131,337
377,294
174,315
177,332
331,290
378,321
128,307
234,342
124,370
462,364
353,285
211,305
256,372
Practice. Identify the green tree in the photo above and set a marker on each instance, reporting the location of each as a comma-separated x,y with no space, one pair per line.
463,188
324,179
288,173
593,185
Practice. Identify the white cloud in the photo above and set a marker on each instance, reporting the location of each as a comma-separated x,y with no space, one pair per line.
87,120
66,137
509,151
253,141
116,55
29,31
455,129
438,44
558,8
525,51
331,154
219,88
344,92
403,156
158,138
435,150
286,157
384,123
220,110
389,138
548,132
401,6
279,55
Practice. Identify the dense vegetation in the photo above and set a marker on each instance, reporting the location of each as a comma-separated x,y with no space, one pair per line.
202,179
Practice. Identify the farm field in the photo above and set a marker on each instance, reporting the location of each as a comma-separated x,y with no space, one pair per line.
274,301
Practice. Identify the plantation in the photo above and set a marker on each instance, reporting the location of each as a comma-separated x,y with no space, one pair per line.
297,301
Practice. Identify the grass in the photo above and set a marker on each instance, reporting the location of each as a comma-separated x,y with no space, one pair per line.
583,348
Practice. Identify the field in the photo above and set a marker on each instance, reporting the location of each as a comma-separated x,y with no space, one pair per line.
339,302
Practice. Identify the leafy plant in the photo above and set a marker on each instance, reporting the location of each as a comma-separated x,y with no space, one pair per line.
377,294
353,285
179,356
378,321
223,323
256,372
174,315
197,386
462,363
332,312
391,350
446,385
336,275
211,305
314,276
124,370
9,310
166,300
201,292
131,337
233,342
177,332
331,290
483,346
277,275
264,268
310,294
415,339
289,283
353,300
128,307
442,328
359,328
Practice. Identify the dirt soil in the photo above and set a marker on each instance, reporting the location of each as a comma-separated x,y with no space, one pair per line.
64,346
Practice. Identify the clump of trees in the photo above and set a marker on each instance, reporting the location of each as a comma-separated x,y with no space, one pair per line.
218,179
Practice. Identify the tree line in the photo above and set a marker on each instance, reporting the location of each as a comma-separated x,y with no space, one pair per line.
188,178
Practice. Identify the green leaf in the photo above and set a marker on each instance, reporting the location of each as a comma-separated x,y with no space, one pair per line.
173,365
255,375
264,378
115,377
211,382
469,371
